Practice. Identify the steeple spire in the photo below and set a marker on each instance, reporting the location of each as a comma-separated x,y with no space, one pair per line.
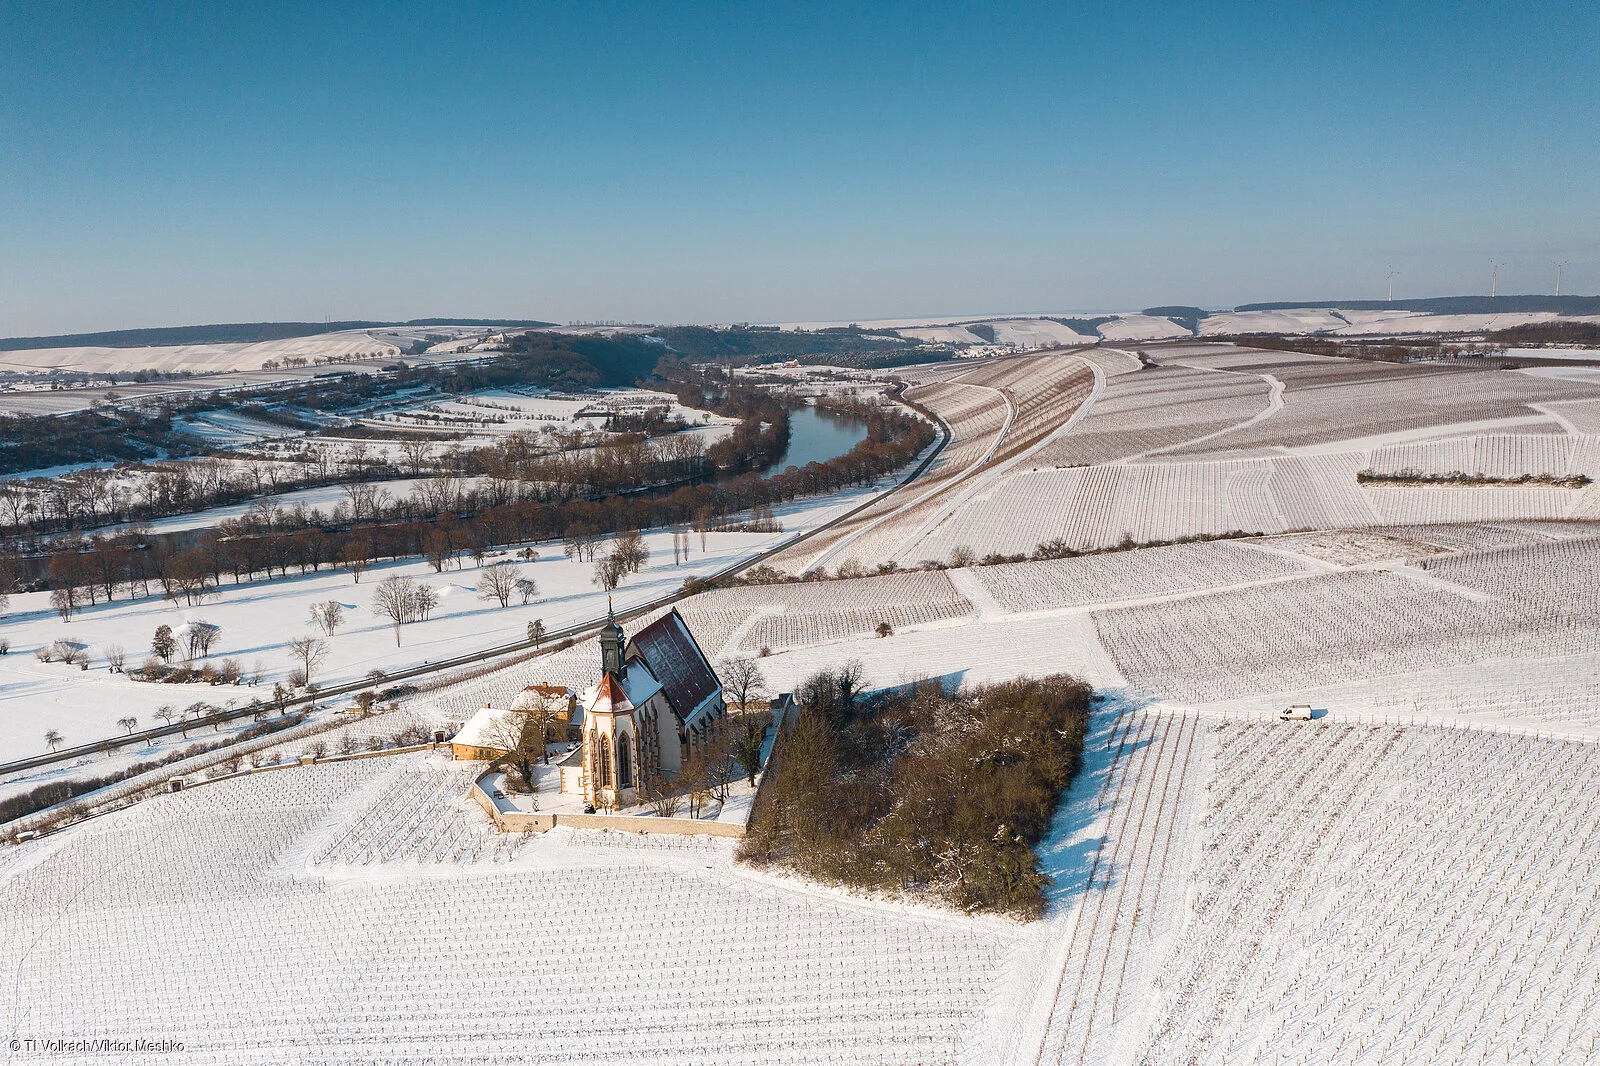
611,643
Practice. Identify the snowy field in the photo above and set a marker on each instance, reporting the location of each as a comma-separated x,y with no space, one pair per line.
200,358
1328,891
1358,323
497,412
258,619
1407,878
123,926
1218,439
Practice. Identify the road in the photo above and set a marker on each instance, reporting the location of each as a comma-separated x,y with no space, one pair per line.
552,638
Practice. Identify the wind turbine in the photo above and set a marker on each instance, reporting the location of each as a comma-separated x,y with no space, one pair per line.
1393,273
1494,278
1559,265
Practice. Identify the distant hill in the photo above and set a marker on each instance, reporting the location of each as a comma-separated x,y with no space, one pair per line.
767,342
1450,305
237,333
1184,315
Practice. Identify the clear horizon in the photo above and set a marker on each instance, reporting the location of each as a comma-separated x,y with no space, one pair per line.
717,163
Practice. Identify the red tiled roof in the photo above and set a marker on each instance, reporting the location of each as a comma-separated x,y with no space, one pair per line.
608,697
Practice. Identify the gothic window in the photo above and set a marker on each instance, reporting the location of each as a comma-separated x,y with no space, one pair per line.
602,761
624,763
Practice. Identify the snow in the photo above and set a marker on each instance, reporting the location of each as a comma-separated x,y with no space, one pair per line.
1408,878
297,956
1590,354
942,335
1037,333
1141,328
232,429
259,619
497,412
199,357
1358,323
1297,321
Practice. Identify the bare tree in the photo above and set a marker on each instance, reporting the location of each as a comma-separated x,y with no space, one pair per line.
427,600
202,635
437,549
116,656
396,598
128,722
742,680
527,588
748,740
166,713
630,552
53,739
164,643
327,616
499,582
536,632
356,556
522,740
545,713
580,542
65,601
851,678
308,652
661,793
608,571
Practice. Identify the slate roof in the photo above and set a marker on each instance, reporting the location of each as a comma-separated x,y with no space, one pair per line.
669,650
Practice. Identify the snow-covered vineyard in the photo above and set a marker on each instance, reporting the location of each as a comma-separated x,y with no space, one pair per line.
227,918
1386,893
1407,877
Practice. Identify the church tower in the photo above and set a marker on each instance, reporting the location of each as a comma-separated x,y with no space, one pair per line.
611,643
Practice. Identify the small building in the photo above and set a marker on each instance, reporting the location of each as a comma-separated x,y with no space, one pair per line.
533,695
478,736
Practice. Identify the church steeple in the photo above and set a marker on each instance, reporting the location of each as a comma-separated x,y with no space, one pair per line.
611,643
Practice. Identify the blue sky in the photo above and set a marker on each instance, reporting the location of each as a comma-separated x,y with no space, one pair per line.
167,164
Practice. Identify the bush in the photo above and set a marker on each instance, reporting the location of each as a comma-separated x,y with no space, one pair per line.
923,791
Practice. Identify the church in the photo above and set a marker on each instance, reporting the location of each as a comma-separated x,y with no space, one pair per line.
657,703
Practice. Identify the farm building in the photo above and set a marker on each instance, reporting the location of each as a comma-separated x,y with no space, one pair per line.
478,737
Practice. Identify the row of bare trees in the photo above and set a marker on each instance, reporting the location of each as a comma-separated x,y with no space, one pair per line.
459,479
136,565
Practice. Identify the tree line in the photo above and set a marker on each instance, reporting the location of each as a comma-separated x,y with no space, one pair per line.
239,552
643,451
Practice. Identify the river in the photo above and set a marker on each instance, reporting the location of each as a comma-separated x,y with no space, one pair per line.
817,436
